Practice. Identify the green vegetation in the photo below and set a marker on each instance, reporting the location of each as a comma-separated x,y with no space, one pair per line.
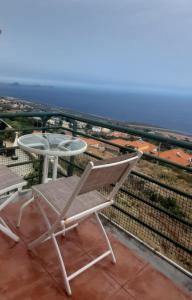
7,136
167,202
88,127
20,123
33,177
177,178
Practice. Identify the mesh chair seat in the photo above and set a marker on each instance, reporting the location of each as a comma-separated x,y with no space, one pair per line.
58,192
8,179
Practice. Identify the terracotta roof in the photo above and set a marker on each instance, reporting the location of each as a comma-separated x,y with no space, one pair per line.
120,142
143,146
91,142
140,145
178,156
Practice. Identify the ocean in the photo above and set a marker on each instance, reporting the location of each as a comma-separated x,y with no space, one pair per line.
173,112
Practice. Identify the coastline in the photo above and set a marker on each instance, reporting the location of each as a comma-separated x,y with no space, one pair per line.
135,125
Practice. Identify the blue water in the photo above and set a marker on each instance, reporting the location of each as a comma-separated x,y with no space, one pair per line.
168,111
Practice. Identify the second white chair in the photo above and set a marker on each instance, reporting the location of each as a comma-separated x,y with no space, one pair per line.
74,198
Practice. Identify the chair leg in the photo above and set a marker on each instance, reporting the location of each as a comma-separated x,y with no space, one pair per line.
58,252
23,206
106,237
62,265
63,227
6,230
44,237
3,226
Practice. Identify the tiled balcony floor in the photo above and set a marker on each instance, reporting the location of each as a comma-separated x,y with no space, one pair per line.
31,276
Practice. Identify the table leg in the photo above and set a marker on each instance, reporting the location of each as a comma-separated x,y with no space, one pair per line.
45,169
55,165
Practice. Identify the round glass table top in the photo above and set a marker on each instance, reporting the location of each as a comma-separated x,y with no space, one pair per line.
52,144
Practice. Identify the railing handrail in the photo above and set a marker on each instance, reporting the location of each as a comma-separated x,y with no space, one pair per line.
101,123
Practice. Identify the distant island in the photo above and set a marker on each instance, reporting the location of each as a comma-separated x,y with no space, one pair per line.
16,83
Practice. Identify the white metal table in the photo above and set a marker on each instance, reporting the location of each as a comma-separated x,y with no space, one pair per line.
51,146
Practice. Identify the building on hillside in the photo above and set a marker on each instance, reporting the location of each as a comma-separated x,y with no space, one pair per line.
118,134
96,129
81,124
178,156
65,124
91,143
54,121
36,132
51,122
138,145
105,130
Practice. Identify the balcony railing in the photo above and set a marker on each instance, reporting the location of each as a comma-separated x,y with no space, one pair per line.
154,205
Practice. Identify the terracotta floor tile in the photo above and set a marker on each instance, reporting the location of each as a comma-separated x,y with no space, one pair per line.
71,267
28,276
32,223
11,211
152,285
127,266
5,243
83,235
18,269
120,295
44,289
93,284
69,250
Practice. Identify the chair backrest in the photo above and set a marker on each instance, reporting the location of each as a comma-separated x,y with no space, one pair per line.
107,172
113,171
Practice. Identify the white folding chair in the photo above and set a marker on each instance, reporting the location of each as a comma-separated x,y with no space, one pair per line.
10,186
73,199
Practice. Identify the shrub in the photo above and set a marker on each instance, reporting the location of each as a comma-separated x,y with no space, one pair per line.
171,205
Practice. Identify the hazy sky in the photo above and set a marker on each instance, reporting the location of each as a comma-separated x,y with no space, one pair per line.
134,42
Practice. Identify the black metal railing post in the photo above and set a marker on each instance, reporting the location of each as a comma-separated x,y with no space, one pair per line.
44,120
70,168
